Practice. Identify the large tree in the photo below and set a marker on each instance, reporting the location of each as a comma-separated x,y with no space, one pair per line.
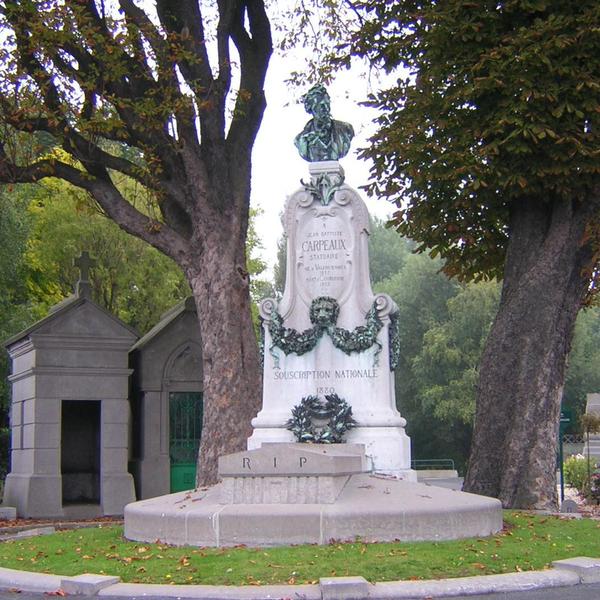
170,96
488,142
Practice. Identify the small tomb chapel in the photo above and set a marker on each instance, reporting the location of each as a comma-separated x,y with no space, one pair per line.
100,417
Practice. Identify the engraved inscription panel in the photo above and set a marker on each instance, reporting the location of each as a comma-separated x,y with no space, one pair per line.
324,251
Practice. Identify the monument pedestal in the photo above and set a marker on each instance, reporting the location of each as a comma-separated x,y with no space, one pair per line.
387,450
284,494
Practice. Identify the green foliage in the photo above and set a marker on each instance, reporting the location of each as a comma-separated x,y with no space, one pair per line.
387,250
583,374
443,327
594,490
315,27
529,542
15,305
422,293
590,423
446,369
132,280
498,103
576,472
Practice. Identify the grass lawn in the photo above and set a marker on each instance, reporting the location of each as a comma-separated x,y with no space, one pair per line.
527,542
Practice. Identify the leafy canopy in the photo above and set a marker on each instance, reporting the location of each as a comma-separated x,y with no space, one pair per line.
494,102
139,92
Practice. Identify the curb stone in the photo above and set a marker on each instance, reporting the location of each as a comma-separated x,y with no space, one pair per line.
58,525
565,573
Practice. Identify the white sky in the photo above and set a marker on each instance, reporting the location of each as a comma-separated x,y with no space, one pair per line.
277,166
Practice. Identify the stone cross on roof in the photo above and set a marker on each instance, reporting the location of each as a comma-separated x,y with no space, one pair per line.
84,262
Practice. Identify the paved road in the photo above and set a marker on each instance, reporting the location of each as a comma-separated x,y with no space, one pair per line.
577,592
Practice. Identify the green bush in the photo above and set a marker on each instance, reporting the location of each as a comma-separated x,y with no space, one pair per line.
575,469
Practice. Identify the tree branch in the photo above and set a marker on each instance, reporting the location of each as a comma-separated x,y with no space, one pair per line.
160,235
255,50
183,21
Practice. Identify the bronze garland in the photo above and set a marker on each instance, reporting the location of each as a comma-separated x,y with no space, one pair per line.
323,314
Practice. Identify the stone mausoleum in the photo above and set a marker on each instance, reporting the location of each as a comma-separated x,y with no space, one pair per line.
100,417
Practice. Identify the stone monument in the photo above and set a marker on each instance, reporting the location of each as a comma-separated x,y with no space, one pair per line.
330,334
330,348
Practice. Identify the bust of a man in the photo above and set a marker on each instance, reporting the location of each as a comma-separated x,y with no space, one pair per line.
322,138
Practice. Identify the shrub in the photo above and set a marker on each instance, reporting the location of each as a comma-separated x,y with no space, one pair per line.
595,486
575,470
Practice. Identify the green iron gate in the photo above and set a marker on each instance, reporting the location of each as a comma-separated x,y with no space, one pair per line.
185,426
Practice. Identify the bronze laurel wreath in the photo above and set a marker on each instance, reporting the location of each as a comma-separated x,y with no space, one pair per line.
335,409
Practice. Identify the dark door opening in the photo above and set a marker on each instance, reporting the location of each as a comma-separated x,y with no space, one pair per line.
80,452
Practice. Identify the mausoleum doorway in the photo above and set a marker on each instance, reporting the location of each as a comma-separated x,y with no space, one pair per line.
185,426
80,452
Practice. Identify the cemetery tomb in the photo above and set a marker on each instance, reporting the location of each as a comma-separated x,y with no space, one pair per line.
167,403
69,413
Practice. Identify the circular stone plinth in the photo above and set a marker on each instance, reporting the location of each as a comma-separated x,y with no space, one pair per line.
370,507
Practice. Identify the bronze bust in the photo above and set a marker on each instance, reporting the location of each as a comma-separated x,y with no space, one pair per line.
322,138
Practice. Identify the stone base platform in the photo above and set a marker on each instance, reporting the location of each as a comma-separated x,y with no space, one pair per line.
369,507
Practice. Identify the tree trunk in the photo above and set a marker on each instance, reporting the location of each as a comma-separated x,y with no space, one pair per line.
547,273
232,382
